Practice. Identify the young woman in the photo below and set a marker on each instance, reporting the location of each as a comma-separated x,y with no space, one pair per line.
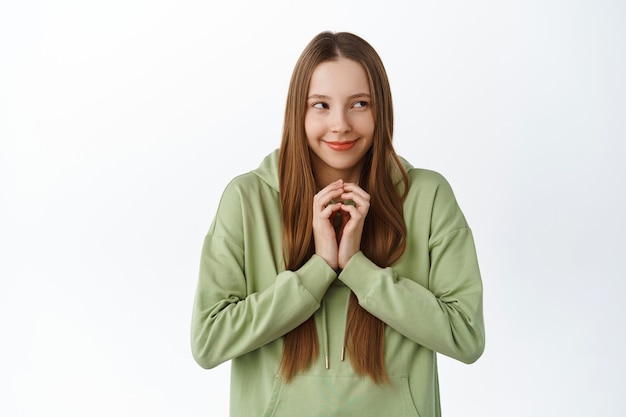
333,274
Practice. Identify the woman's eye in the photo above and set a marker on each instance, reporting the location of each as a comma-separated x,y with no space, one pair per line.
361,104
320,105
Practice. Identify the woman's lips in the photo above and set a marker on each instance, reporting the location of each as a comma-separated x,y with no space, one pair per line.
341,146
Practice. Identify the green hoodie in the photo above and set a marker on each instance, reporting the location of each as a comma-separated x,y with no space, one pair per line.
430,299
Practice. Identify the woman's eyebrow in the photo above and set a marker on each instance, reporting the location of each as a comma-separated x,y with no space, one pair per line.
325,97
318,97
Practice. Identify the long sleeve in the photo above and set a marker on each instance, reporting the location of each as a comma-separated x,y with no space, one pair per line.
243,300
436,298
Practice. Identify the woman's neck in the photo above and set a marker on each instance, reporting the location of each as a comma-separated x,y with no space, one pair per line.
323,180
325,175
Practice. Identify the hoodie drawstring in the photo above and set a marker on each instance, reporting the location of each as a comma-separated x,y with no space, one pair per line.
325,341
324,334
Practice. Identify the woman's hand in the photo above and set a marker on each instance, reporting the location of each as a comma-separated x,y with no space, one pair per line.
351,230
326,242
336,241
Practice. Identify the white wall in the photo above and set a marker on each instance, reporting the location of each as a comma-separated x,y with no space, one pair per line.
122,121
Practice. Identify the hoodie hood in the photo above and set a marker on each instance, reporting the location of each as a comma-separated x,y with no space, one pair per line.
268,170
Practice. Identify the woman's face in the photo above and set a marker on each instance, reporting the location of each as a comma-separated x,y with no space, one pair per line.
339,120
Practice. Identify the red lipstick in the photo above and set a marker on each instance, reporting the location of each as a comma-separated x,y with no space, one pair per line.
341,146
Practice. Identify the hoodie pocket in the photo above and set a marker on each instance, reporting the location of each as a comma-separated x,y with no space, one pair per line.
340,396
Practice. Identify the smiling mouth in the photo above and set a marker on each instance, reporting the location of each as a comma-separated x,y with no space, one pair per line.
341,146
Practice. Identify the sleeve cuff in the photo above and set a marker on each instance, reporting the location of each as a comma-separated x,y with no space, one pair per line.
361,275
316,276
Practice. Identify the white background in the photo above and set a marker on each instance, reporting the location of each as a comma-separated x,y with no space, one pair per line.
122,121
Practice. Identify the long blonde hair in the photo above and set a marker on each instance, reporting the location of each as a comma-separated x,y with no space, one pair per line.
384,233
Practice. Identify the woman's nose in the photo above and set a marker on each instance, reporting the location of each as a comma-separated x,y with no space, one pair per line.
340,123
